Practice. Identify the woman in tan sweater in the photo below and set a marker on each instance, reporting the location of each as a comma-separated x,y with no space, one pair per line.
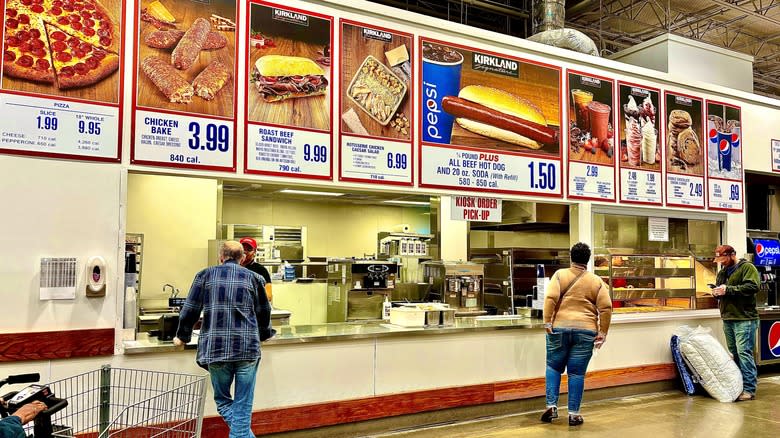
577,312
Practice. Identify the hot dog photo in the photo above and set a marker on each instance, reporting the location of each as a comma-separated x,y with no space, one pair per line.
591,129
489,101
186,56
68,48
640,140
684,135
289,68
376,73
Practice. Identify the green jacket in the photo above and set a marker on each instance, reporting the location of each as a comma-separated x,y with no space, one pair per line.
739,303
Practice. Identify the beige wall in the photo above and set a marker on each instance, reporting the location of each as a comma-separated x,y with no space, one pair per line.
177,217
524,239
53,208
334,230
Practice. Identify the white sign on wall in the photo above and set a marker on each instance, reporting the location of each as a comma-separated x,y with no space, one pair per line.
475,209
658,229
776,155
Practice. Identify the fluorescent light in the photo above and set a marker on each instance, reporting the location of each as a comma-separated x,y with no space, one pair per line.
310,192
407,202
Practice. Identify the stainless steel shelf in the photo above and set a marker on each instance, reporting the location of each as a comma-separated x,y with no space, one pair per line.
639,293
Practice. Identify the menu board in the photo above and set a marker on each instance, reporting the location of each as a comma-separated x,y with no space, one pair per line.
684,150
591,137
62,79
376,104
489,122
289,94
640,145
184,101
724,157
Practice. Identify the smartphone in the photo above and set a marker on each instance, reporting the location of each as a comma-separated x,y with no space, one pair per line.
710,285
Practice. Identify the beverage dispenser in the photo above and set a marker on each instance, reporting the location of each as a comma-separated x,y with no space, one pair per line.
766,257
458,284
357,288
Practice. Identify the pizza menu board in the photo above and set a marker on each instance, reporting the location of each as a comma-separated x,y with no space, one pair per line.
289,95
489,122
62,78
184,90
376,109
591,137
640,151
684,150
724,157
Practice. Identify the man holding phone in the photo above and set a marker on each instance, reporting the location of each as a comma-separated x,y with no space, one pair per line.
736,286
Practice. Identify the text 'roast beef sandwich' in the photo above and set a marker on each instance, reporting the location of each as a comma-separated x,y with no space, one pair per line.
500,115
280,77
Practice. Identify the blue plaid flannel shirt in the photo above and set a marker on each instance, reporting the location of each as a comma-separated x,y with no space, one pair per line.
236,314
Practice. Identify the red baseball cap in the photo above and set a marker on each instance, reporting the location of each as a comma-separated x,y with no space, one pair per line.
249,241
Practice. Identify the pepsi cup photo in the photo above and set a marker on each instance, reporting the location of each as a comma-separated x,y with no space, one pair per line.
724,138
441,70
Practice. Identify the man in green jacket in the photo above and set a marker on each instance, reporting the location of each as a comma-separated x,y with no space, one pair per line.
737,284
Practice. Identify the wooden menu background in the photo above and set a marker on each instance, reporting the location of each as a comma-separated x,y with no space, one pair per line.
105,91
186,12
355,49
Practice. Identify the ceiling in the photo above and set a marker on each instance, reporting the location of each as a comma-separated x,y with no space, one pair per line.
264,191
747,26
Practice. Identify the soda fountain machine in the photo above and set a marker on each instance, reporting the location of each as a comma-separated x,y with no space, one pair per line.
765,248
458,284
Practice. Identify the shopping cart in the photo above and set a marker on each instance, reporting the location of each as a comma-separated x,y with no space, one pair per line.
125,403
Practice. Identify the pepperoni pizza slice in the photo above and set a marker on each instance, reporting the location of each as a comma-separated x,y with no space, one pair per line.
26,53
78,63
86,19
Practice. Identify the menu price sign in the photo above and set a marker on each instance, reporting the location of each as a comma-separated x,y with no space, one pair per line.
591,137
775,155
501,173
289,95
685,163
724,157
62,80
475,209
184,106
490,122
376,104
640,145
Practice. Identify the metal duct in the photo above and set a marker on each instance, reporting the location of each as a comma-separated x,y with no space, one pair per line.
549,15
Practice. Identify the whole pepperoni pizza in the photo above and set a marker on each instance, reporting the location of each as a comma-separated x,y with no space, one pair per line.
70,43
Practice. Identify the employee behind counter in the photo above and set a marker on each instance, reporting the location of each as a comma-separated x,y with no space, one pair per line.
250,248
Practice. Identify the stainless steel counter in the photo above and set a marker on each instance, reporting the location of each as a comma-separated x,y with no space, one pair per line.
299,334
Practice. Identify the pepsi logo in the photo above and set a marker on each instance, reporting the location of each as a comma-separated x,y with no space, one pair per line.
773,339
724,146
759,250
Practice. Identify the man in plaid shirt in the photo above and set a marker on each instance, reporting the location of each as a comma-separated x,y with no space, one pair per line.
236,319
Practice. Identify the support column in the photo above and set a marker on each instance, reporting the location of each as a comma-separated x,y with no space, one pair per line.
454,234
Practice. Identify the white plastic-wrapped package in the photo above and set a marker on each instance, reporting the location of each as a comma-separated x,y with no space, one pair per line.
567,39
711,363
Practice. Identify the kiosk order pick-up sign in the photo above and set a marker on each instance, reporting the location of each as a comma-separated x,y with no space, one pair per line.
475,209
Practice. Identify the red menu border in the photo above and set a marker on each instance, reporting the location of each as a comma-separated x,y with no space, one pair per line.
559,159
661,145
741,160
135,108
119,104
703,127
247,123
615,139
411,97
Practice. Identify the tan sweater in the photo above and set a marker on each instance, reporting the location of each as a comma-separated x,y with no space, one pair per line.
586,305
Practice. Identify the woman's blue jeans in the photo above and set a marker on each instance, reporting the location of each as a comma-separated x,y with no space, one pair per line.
569,349
741,339
237,410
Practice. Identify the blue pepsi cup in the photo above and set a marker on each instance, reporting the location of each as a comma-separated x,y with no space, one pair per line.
441,68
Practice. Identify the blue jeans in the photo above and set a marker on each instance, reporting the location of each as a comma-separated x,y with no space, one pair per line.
237,411
569,349
741,339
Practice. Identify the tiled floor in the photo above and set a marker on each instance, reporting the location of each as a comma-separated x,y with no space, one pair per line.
658,415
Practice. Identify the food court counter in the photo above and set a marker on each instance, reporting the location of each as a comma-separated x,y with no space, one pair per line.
299,334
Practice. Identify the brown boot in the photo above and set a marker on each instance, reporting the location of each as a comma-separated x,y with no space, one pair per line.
550,414
575,420
746,396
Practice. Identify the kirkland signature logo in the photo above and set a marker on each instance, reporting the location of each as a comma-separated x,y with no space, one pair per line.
291,17
377,35
494,64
